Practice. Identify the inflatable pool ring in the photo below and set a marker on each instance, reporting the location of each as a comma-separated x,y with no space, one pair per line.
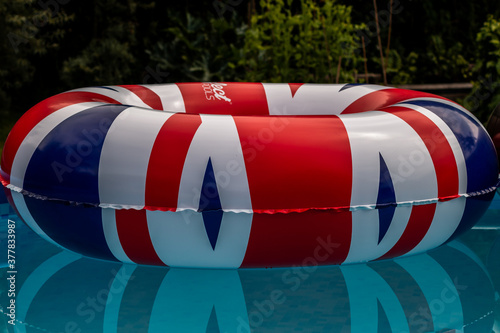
248,174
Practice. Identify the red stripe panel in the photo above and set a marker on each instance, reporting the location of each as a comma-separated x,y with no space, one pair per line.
34,115
134,237
296,163
438,147
305,239
234,98
420,220
167,161
294,87
148,96
383,98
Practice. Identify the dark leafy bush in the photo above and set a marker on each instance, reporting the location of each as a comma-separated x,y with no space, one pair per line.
199,49
485,95
315,43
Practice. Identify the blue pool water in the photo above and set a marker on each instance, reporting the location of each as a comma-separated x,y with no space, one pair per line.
450,289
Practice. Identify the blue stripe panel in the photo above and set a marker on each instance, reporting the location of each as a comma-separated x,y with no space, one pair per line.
210,206
212,221
480,159
386,200
209,198
3,196
350,85
109,88
66,163
475,207
5,208
477,147
77,228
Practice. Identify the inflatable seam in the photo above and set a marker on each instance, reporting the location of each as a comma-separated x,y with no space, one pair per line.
260,211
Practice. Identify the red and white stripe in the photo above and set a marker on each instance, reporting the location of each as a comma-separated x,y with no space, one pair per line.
399,144
317,99
286,184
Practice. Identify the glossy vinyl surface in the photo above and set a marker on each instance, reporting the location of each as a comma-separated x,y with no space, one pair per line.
228,175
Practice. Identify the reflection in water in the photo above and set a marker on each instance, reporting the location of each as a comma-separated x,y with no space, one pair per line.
493,264
445,289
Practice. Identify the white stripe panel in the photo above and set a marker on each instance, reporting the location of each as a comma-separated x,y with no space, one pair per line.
216,138
404,152
170,95
411,169
37,134
125,156
122,95
446,220
448,214
180,239
111,93
452,141
23,210
365,229
111,234
130,98
313,99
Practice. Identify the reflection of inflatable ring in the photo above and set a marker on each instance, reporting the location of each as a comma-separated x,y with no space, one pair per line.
248,174
445,289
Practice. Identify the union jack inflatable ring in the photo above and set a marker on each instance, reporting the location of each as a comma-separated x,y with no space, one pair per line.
229,175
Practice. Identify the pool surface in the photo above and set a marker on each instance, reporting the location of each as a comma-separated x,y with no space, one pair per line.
450,289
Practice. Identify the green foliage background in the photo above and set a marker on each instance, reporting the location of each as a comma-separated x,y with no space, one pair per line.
305,45
49,46
485,93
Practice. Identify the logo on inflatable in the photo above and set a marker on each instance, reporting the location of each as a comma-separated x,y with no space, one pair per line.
215,91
